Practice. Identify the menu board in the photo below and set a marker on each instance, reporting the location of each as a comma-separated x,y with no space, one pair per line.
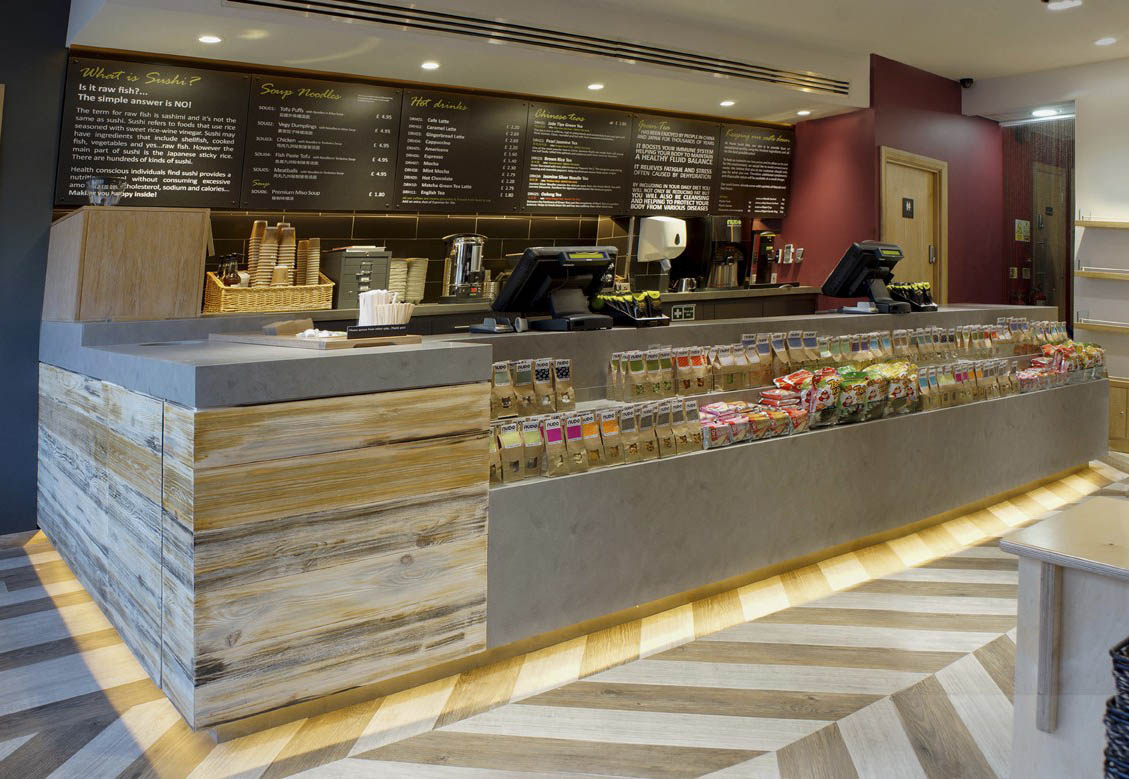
175,134
752,177
460,152
579,159
320,145
672,165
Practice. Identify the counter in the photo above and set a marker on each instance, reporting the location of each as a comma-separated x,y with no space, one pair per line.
269,526
1073,587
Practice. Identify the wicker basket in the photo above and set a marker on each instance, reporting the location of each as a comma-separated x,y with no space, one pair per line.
219,299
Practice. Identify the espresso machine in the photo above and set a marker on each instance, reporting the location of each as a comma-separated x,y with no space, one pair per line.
463,277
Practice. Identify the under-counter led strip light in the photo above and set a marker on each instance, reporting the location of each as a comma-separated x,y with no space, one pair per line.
509,32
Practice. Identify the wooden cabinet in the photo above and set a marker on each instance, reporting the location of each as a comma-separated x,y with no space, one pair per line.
1118,419
126,263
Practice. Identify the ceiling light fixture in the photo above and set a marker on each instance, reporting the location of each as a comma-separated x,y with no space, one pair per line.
596,87
1044,112
804,112
430,65
727,103
1105,41
210,39
1062,5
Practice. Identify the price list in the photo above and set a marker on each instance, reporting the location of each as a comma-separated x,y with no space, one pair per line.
320,145
672,165
752,176
460,152
579,159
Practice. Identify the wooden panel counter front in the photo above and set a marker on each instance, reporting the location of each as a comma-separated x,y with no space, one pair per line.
251,556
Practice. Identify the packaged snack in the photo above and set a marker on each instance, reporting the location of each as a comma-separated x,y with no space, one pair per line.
593,444
614,388
715,434
513,452
703,375
823,398
637,381
877,389
556,453
795,344
935,392
533,448
523,386
503,399
495,457
666,367
780,362
683,372
609,435
726,374
740,367
811,347
825,357
764,358
780,397
574,442
798,418
693,424
629,436
779,423
654,375
682,440
793,381
624,377
562,385
852,396
544,395
925,393
758,425
648,441
664,430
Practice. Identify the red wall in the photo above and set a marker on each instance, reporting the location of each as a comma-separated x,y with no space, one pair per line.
835,198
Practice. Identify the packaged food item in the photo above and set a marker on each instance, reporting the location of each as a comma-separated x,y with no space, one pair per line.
823,398
825,358
703,374
779,423
629,435
795,345
556,453
666,368
811,347
637,380
683,372
757,425
780,362
852,396
503,399
779,398
664,430
654,375
533,448
543,393
925,394
562,385
495,457
682,440
694,424
648,441
877,389
609,435
574,441
513,452
523,387
624,377
740,367
798,418
935,392
593,444
715,434
726,373
793,381
614,386
765,360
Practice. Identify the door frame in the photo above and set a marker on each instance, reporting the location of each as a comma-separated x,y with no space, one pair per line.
940,171
1067,303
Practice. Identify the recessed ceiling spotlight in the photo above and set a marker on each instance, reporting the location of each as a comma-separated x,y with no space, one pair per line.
430,65
1062,5
210,39
727,103
1105,41
804,112
1042,113
596,87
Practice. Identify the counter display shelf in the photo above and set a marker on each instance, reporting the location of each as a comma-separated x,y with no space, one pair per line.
268,527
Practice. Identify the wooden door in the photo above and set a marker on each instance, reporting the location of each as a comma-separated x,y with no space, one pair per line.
1118,422
1048,234
915,216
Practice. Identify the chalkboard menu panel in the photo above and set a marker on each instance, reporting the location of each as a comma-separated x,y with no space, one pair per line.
672,165
175,134
579,159
322,145
753,171
460,152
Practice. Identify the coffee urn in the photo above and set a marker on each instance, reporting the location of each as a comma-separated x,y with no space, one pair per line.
462,268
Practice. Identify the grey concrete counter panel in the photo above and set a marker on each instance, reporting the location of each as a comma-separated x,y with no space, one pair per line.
207,374
736,294
573,548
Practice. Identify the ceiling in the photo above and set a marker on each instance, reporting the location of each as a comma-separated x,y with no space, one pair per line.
955,38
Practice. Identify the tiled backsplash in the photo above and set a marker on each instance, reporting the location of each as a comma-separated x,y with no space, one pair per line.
421,235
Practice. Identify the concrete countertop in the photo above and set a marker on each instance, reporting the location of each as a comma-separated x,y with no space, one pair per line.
734,294
1092,536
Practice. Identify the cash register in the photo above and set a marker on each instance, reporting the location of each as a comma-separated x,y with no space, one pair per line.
558,281
864,271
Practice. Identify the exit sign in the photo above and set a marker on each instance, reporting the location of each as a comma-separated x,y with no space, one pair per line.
682,313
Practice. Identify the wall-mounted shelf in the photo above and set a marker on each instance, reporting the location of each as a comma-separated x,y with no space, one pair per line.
1103,327
1102,223
1102,274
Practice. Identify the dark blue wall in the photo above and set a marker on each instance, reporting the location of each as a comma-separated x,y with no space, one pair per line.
32,70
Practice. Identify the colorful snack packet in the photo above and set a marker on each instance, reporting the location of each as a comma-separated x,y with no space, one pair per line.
556,453
544,395
503,398
513,452
533,448
629,436
574,441
694,424
648,441
593,444
495,457
609,434
523,386
562,385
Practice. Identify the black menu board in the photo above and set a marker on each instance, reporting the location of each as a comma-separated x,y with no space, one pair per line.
672,165
753,170
175,134
579,159
329,146
460,152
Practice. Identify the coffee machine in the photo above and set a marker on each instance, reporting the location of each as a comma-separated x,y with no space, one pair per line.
463,276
